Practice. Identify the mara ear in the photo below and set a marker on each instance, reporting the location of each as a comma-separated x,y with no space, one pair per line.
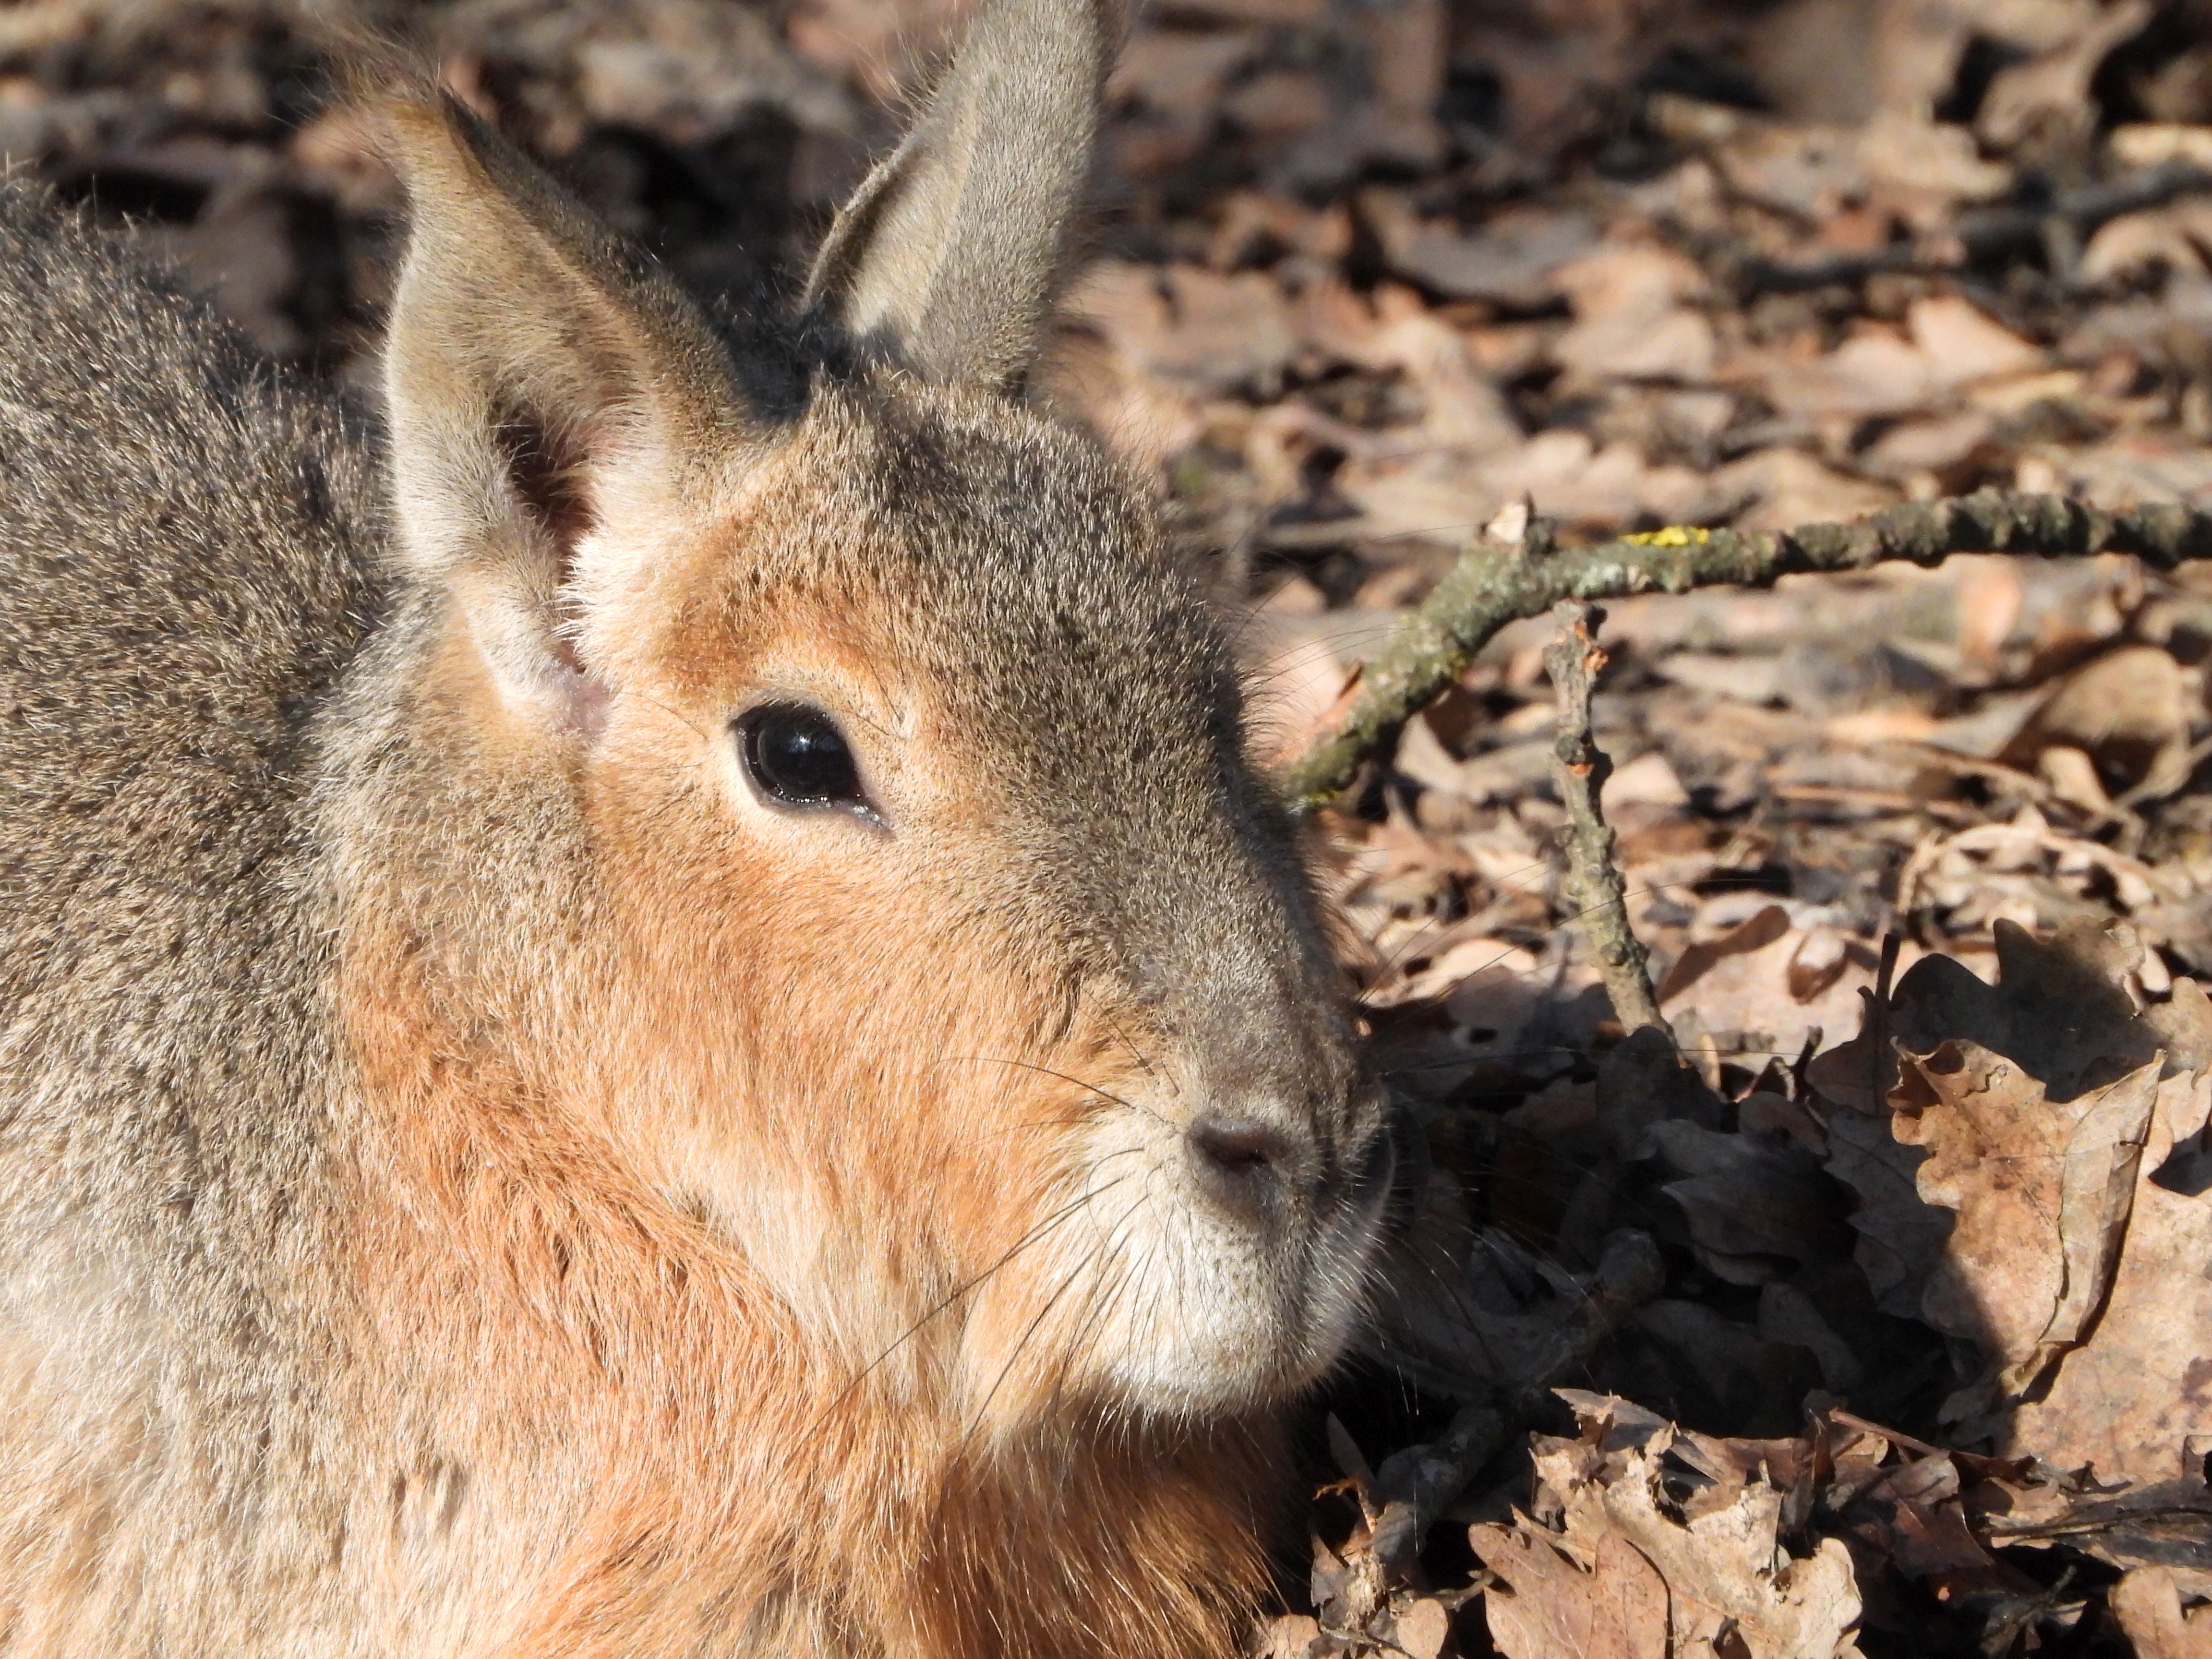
557,409
943,260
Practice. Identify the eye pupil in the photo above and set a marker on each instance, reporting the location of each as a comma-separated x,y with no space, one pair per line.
798,758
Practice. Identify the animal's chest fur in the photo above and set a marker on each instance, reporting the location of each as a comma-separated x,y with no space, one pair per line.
599,1409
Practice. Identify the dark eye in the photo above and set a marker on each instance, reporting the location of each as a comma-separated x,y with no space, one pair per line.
797,757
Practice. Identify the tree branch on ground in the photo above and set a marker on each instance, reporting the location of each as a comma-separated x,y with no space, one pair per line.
1594,889
1497,582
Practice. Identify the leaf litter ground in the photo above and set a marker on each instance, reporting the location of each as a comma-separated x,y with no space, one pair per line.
1874,1313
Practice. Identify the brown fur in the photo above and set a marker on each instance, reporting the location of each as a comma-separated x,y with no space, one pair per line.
475,1179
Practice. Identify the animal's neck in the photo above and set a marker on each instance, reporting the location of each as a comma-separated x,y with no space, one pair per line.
581,1348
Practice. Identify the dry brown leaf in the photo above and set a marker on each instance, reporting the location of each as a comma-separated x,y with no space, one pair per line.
1763,928
1874,373
1933,160
1648,780
1931,447
2128,711
1768,984
2135,1400
1513,258
2042,1188
1548,1607
1179,74
1424,1626
2057,1010
1629,320
1188,325
1731,1585
1292,1636
1757,1206
1813,171
1726,1574
2050,91
2176,237
1461,407
2155,144
2061,1128
2148,1604
1421,489
1962,342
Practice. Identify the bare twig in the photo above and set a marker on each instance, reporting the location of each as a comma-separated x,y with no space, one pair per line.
1594,889
2068,218
1494,584
2059,223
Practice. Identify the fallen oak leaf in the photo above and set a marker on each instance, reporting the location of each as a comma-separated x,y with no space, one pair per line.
1545,1605
1754,932
1757,1205
1726,1568
2058,1013
2146,1602
2135,1398
1731,1585
2049,1110
2042,1188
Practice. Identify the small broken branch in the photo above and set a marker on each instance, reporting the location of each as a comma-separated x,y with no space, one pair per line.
1594,892
2072,216
1494,584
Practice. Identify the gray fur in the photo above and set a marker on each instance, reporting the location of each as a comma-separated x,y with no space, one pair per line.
185,544
943,258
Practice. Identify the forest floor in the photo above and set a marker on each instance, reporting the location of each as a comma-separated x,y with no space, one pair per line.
1874,1312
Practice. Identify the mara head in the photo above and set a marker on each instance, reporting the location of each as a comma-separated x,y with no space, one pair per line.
803,778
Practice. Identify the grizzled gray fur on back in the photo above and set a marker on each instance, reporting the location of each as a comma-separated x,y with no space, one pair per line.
187,540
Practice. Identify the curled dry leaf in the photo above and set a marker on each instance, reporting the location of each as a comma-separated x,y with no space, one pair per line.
2147,1603
2133,1400
2042,1188
1730,1584
2060,1128
2128,711
1757,1205
1769,981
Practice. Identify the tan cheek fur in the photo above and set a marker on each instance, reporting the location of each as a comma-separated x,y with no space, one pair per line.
639,1279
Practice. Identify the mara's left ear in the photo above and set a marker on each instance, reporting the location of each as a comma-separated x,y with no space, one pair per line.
559,411
945,258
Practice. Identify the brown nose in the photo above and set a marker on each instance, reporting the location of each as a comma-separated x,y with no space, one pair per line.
1243,1162
1250,1165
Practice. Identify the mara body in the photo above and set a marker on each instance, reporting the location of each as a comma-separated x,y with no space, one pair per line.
652,1010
